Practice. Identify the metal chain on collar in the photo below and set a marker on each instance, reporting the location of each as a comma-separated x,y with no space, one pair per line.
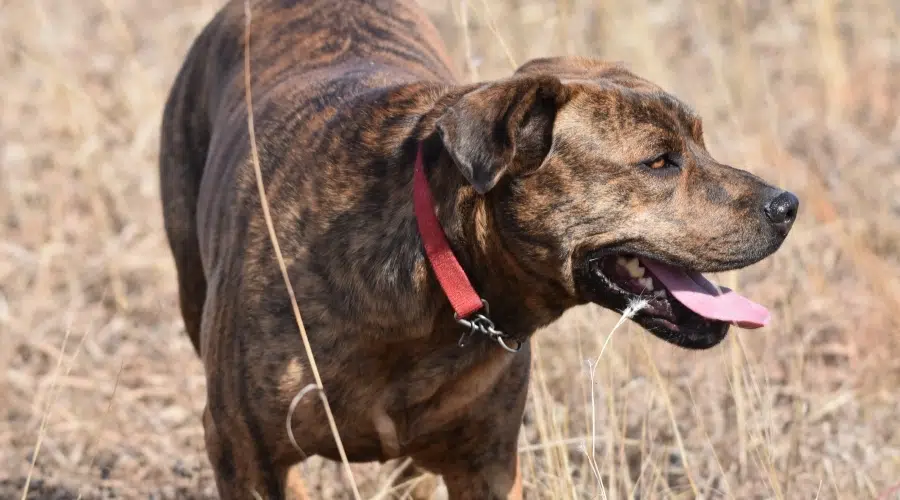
482,324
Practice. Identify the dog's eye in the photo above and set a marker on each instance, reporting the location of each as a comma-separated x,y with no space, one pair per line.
662,162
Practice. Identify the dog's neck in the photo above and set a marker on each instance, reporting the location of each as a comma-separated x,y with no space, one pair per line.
520,302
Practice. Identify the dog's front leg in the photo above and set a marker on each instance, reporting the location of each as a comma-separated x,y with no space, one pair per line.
239,472
478,457
499,481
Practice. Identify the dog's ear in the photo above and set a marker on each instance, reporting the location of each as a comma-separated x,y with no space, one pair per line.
502,127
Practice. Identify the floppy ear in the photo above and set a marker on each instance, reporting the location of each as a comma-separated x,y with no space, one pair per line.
501,127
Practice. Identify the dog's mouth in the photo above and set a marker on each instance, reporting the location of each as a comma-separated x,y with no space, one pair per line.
678,305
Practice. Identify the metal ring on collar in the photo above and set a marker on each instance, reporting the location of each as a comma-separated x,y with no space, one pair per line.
502,343
482,323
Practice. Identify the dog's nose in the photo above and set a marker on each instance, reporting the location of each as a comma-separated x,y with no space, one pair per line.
782,210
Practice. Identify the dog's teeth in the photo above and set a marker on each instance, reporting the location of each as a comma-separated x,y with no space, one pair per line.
647,283
635,269
621,261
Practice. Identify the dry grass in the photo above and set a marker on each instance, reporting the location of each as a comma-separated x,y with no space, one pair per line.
805,95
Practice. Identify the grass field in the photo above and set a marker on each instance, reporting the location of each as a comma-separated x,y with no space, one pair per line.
99,382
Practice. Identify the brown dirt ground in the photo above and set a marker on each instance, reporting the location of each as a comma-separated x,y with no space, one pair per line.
806,95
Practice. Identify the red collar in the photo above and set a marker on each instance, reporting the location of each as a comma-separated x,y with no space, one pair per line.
450,274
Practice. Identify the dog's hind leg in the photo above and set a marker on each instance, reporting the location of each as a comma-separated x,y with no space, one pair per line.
184,140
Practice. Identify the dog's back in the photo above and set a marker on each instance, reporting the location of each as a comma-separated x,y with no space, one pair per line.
311,61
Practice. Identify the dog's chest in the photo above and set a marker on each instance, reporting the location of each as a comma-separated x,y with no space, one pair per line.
433,396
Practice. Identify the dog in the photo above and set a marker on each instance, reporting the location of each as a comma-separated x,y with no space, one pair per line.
429,227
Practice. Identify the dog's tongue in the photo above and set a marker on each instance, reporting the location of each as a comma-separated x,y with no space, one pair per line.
703,297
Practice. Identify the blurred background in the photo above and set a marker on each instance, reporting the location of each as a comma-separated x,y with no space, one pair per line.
97,375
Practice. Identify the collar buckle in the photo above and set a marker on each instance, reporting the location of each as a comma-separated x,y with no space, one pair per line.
482,323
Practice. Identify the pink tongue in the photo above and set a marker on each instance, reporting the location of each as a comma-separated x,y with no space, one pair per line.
703,297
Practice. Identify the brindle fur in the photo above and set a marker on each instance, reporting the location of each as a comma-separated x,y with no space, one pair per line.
529,174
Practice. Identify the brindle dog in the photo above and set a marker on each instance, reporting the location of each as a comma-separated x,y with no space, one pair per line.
547,183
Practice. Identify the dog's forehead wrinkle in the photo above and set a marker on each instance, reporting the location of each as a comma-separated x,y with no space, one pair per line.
627,112
656,106
683,111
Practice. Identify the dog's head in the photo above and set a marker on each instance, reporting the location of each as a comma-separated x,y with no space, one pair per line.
600,180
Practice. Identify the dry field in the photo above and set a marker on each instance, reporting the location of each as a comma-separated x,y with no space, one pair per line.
99,382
